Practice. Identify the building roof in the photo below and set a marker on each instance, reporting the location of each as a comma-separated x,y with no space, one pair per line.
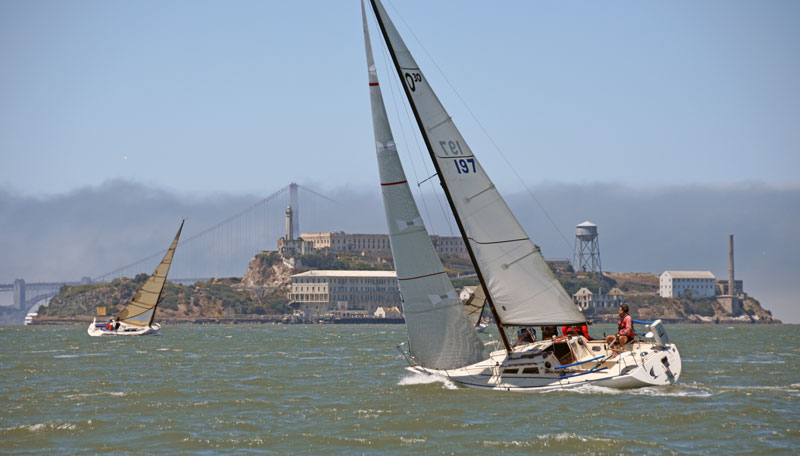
583,292
690,274
380,274
587,224
557,260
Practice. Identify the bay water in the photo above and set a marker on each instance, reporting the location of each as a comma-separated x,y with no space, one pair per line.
343,389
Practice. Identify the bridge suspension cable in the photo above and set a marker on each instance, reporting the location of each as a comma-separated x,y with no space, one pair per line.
226,245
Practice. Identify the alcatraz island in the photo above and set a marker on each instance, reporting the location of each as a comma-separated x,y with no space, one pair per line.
337,277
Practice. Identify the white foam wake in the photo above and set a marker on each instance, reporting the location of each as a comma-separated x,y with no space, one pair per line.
417,378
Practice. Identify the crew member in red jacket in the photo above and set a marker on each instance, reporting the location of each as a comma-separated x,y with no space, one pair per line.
576,330
625,332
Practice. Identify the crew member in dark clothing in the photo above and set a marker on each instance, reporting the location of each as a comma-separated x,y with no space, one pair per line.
548,332
525,336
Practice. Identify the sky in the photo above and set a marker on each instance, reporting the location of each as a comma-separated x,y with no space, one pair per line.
228,101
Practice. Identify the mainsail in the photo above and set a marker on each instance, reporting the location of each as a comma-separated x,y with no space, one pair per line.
141,310
518,282
439,332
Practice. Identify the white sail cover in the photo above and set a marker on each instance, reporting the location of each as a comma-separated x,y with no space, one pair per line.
519,282
440,334
141,310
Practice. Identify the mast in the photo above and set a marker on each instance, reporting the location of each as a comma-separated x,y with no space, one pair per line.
449,197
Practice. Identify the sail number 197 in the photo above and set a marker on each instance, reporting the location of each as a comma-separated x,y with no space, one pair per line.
463,165
451,147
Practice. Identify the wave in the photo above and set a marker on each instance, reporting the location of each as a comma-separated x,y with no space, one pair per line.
46,426
654,391
83,395
793,388
79,355
566,441
426,379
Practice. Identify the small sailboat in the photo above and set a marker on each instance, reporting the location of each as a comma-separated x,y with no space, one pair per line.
518,286
136,319
475,306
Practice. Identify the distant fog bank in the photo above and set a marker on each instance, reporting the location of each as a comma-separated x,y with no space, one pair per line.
96,229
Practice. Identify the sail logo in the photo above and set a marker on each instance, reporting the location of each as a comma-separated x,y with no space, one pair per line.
412,79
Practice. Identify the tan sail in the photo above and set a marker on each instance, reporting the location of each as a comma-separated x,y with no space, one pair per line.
474,304
141,310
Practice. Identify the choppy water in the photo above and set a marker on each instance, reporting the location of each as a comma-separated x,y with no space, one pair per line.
332,389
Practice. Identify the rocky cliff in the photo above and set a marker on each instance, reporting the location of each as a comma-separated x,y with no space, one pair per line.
641,295
268,269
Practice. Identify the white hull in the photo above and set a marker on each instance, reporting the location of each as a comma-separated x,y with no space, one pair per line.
124,330
535,367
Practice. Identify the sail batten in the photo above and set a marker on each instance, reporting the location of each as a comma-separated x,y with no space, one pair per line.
440,334
521,290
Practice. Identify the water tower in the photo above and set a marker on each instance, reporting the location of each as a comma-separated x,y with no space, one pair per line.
587,249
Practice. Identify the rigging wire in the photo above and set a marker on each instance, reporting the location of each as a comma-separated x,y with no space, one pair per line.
221,244
395,84
483,129
391,85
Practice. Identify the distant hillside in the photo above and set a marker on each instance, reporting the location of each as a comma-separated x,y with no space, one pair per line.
262,291
265,286
215,298
641,295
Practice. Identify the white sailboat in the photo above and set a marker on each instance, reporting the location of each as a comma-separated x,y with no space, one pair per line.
519,288
136,319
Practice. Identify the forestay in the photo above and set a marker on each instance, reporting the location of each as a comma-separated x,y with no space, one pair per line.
519,282
439,332
141,309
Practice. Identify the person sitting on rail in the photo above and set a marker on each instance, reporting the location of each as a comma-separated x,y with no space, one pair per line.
625,332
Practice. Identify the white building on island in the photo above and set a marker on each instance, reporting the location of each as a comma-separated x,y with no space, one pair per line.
319,292
674,284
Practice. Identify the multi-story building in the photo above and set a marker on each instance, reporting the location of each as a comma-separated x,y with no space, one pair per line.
585,299
674,284
450,245
319,292
376,244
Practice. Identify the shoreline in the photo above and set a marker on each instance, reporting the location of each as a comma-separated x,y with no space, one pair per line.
276,319
283,320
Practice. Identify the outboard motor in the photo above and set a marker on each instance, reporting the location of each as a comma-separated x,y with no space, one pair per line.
658,333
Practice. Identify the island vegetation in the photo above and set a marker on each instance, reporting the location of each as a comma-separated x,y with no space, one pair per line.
264,290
